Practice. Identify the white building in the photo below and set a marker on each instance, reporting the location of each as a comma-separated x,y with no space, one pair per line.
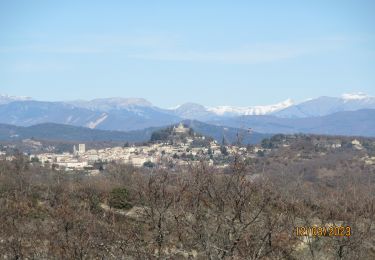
73,165
357,144
81,148
180,129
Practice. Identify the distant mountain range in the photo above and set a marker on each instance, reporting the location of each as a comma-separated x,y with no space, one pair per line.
350,123
324,106
120,118
5,99
108,104
199,112
330,115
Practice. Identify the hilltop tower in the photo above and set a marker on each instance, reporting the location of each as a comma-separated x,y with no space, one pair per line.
180,129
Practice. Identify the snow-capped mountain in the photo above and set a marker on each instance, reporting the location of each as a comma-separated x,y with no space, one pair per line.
126,114
251,110
323,106
192,111
6,99
352,123
107,104
199,112
27,113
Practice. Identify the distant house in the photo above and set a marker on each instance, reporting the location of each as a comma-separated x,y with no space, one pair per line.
81,149
357,144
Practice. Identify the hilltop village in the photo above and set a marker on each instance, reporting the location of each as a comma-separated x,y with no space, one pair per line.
187,181
174,146
181,146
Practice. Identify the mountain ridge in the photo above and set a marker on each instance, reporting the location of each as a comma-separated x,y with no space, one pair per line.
122,114
325,105
319,106
350,123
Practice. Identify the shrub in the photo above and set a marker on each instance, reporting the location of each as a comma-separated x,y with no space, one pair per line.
118,199
149,164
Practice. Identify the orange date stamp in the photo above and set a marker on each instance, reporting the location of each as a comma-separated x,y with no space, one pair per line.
323,231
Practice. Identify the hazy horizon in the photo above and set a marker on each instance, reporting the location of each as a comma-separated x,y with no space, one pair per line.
354,95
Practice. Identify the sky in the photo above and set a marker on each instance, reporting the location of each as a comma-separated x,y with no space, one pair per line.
238,53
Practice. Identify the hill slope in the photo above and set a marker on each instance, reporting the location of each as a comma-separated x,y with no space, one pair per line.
59,132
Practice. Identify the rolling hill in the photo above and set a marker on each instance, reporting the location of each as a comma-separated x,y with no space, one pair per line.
60,132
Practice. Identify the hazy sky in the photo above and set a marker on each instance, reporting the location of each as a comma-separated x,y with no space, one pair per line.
170,52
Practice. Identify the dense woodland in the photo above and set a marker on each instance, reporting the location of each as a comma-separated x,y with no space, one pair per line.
247,211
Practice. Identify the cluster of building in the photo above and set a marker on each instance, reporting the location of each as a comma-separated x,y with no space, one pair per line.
171,153
135,155
4,156
181,153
